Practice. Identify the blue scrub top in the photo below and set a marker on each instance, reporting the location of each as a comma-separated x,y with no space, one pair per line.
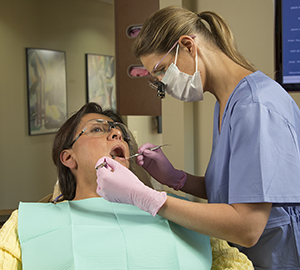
255,158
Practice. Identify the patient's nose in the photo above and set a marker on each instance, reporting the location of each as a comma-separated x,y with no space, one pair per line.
115,134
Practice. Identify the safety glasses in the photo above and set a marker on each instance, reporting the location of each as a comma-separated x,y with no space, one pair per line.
100,127
156,76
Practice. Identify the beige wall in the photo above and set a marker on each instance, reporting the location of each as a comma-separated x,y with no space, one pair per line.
74,26
87,26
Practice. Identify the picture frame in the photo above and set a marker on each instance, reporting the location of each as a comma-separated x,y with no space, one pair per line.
46,90
101,80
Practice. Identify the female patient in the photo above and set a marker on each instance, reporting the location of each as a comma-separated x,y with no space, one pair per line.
86,232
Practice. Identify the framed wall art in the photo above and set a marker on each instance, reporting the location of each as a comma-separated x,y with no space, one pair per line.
101,85
47,91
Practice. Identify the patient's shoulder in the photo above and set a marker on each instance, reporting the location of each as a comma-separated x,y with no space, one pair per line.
9,231
10,251
11,225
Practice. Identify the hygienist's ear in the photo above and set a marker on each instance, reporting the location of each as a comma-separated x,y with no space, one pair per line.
188,43
67,159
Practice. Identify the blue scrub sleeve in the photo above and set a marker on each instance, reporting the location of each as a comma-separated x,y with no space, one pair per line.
264,165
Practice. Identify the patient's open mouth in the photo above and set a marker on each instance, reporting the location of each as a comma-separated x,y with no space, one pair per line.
117,152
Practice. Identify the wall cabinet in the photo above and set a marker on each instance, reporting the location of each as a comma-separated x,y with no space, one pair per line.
134,96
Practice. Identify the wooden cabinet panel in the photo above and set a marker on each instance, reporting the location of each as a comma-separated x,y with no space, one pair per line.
134,96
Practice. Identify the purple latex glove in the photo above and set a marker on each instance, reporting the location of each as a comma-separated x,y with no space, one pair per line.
159,167
118,184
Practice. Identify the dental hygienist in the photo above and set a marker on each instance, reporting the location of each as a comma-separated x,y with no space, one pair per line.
252,182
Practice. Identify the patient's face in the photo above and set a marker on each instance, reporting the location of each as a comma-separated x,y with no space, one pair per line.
89,149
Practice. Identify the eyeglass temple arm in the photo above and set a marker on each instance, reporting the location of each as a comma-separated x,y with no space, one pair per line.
192,36
164,56
82,131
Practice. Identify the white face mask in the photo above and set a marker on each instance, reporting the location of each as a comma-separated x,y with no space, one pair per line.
183,86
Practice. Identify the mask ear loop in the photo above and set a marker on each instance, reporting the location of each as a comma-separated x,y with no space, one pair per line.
176,53
196,61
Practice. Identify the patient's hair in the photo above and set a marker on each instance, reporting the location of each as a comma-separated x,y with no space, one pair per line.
65,137
165,26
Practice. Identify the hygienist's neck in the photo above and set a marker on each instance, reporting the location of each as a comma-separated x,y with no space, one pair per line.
222,76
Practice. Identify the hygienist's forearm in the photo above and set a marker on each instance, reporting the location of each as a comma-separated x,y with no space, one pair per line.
195,185
242,224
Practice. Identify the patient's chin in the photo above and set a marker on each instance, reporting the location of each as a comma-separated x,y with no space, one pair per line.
122,161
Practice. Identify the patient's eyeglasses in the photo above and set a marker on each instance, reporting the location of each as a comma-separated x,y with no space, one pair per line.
100,127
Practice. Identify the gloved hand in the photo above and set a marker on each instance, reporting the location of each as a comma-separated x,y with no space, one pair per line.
118,184
159,167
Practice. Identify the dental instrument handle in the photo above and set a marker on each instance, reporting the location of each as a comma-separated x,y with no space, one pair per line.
160,168
135,155
151,149
160,146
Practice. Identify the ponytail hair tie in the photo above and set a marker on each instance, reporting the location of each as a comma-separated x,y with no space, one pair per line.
199,16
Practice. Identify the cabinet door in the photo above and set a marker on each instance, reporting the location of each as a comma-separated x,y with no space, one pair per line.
134,96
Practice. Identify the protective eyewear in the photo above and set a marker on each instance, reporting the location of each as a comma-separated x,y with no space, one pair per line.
100,127
156,76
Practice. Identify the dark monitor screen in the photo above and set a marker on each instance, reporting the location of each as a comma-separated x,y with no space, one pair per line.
287,43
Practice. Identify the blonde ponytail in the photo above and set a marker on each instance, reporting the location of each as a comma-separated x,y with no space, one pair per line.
224,39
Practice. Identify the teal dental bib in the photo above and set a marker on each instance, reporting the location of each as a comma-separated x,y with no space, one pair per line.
96,234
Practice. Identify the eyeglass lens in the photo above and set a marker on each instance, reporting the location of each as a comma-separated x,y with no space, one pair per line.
100,127
156,75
